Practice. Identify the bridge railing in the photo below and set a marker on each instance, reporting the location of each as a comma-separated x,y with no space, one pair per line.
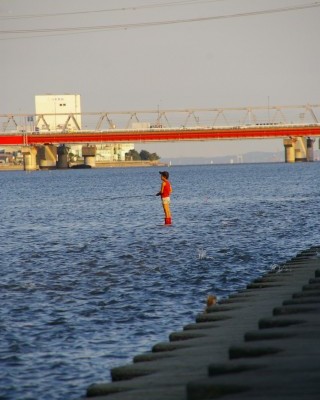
160,119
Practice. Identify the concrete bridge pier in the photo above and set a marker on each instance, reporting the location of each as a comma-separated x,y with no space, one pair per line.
62,162
310,150
89,155
301,149
30,158
298,149
289,149
47,156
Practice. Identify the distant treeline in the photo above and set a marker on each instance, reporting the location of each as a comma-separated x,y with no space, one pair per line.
144,155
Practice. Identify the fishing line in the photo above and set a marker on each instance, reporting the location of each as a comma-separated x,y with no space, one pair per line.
132,197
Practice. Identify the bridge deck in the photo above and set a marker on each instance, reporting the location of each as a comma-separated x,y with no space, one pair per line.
161,134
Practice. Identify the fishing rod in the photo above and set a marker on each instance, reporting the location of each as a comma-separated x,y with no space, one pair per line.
124,197
133,196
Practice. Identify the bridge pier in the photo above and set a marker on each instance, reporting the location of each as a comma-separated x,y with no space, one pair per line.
289,149
62,157
310,149
30,158
47,156
301,149
89,155
298,149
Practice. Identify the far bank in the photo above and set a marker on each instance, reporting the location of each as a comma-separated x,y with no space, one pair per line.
110,164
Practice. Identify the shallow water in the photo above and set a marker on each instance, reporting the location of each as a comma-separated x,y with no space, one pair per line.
90,277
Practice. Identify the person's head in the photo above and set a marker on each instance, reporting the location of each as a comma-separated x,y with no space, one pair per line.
211,300
164,174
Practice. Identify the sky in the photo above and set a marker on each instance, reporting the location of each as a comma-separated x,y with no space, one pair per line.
234,53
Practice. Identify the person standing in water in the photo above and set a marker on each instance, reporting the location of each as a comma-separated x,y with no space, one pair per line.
165,192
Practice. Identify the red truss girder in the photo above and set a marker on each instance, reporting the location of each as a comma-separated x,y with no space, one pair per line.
159,135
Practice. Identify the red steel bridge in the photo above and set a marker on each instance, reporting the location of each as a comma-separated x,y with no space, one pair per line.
271,122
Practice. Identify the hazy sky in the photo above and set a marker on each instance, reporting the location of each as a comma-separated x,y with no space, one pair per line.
219,62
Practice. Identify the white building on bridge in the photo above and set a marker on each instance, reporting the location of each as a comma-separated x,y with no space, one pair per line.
62,112
52,112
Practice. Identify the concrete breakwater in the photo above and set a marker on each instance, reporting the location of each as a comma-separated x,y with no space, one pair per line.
111,164
262,342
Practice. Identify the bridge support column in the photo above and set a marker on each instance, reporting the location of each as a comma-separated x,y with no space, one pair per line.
301,149
310,149
62,157
289,149
47,156
30,158
89,155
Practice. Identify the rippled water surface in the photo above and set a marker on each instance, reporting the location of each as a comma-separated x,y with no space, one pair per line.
90,277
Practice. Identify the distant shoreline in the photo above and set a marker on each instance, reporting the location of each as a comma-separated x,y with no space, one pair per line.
110,164
4,167
125,164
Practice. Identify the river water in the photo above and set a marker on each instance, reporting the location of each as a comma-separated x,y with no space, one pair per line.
90,277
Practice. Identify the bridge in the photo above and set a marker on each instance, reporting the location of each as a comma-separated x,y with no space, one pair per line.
298,126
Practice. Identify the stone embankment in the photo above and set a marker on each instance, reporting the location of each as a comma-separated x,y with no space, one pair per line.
111,164
261,343
10,167
128,164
